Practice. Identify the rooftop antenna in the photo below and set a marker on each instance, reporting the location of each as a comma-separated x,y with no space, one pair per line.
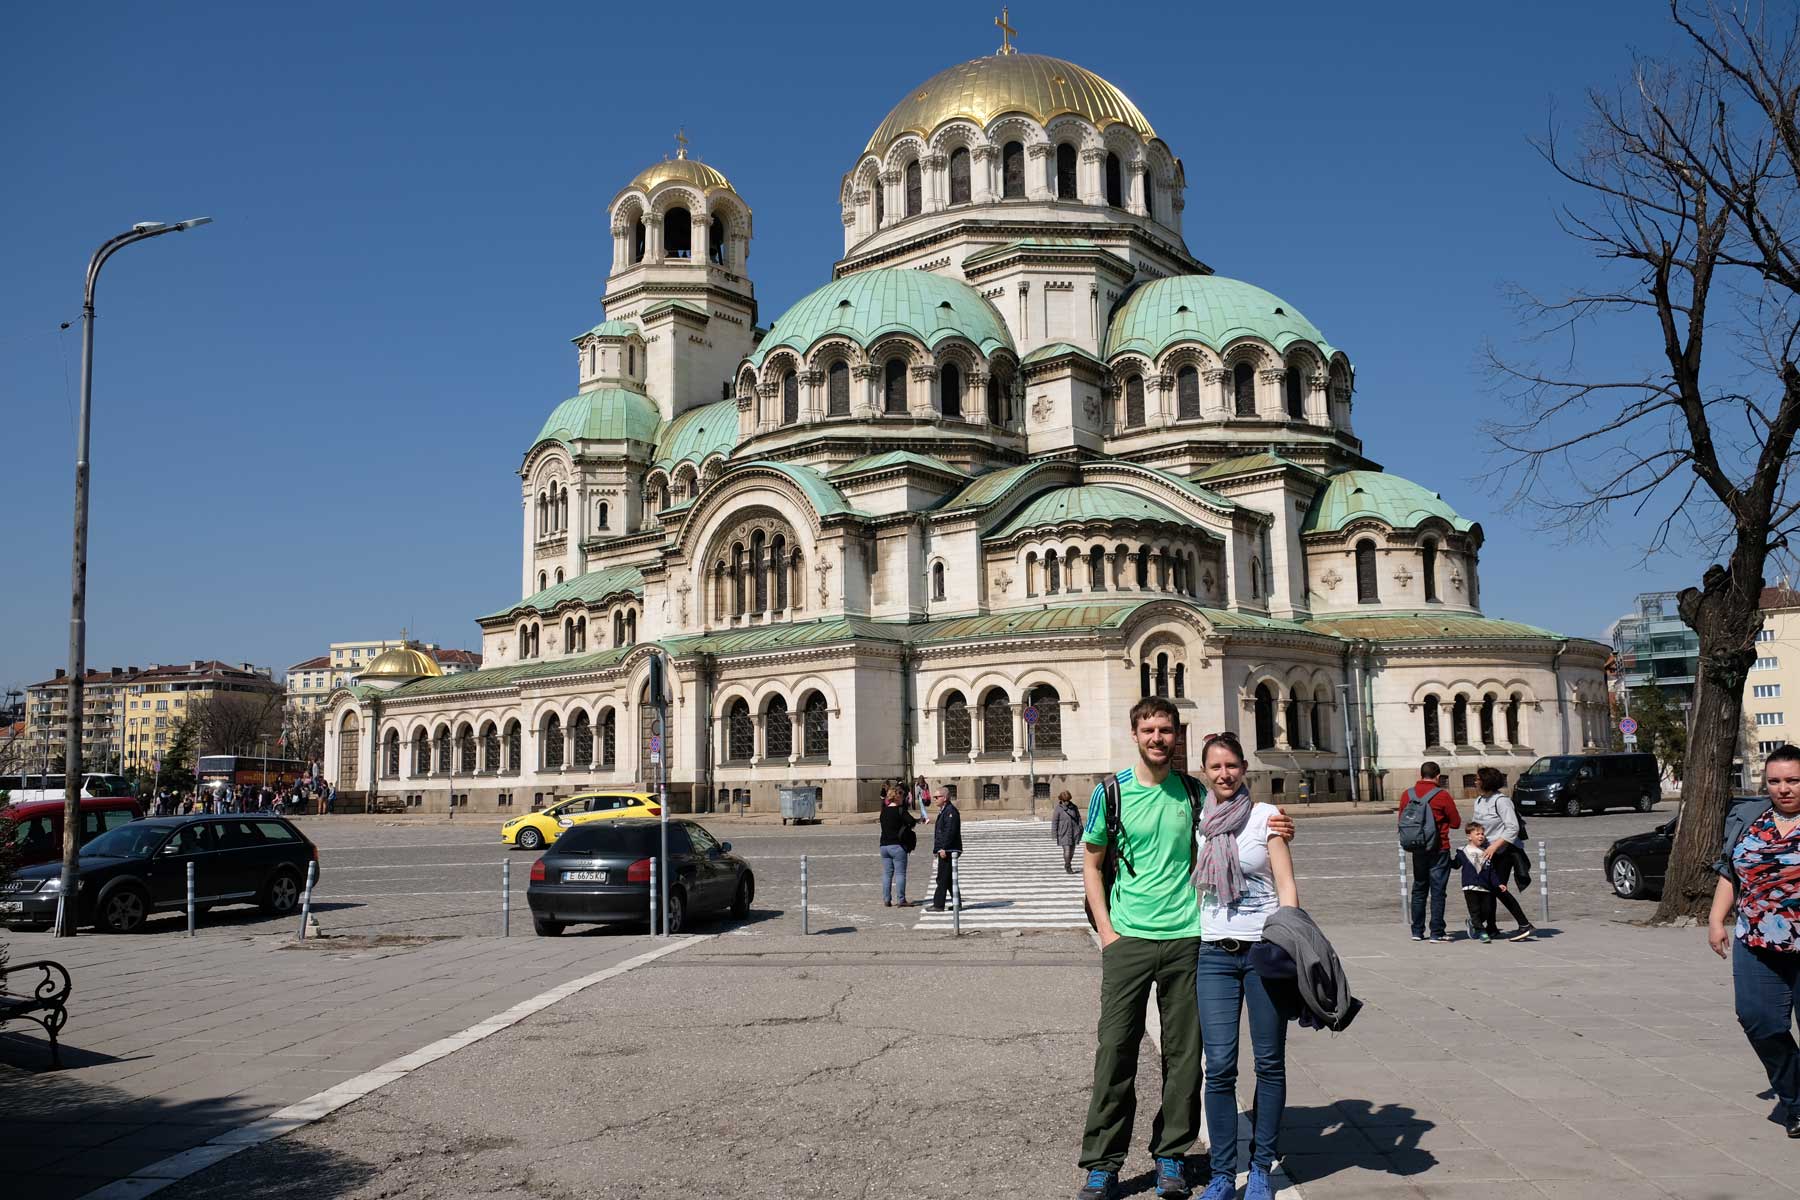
1006,32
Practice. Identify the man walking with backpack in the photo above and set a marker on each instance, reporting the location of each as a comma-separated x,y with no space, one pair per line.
1427,815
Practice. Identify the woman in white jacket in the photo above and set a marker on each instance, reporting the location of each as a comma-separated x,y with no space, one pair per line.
1495,811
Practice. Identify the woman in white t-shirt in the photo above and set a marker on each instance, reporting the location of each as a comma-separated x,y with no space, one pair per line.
1243,875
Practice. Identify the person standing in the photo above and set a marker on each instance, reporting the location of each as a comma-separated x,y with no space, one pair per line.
1759,876
1478,883
1431,861
921,798
1065,827
896,830
1243,873
1500,820
946,843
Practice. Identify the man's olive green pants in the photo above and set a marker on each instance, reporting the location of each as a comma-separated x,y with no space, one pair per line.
1128,969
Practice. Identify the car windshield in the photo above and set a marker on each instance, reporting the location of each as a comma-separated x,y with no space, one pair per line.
607,837
107,785
136,840
1550,766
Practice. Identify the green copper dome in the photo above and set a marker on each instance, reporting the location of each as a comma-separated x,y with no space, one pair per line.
1399,502
698,434
869,305
607,414
1080,503
1209,309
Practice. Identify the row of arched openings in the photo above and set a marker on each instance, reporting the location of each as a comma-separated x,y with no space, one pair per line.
957,723
778,729
1305,720
678,237
491,750
575,631
1243,394
1432,711
552,510
762,575
1012,180
1146,568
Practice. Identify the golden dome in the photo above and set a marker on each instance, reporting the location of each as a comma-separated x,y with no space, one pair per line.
1033,84
402,662
682,169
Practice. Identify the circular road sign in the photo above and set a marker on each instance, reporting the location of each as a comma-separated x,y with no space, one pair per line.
1627,726
1031,714
656,743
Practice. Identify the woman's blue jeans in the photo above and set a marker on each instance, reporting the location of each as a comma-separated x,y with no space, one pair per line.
1764,983
1225,984
893,866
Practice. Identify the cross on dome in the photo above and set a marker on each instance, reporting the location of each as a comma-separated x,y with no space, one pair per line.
681,142
1006,32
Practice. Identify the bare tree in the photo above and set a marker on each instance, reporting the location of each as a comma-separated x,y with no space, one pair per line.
238,723
1688,198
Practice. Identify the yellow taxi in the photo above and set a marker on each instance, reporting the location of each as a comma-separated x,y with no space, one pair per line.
536,830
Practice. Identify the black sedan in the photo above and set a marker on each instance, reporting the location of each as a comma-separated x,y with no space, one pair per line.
126,874
1635,865
599,873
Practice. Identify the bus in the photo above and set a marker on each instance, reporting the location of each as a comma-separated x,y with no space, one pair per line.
33,786
240,771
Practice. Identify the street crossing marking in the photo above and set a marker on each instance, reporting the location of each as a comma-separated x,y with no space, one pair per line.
1012,878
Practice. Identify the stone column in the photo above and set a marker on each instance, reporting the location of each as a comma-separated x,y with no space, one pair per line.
1018,724
1024,333
1134,187
920,400
1039,161
768,396
813,408
698,226
1270,382
893,196
983,165
1163,386
653,237
865,401
621,235
1090,182
796,748
937,188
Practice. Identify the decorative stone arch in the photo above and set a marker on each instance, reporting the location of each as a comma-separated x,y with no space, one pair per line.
1121,139
943,686
746,382
632,206
1016,127
899,345
684,482
1074,129
711,469
760,691
729,694
1036,674
732,213
990,679
743,489
959,133
904,149
778,364
1192,353
832,347
678,195
815,683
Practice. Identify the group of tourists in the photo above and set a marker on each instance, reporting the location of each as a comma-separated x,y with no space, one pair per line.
289,801
903,809
1490,859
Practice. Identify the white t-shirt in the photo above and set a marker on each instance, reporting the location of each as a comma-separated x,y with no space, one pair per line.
1244,919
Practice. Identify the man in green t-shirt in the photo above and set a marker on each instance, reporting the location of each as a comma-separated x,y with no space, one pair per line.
1149,930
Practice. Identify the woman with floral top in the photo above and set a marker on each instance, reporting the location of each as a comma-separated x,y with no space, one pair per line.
1759,874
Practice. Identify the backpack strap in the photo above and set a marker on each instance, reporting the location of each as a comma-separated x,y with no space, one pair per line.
1115,830
1197,799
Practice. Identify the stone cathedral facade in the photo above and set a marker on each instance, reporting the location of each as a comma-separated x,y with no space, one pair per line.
1024,455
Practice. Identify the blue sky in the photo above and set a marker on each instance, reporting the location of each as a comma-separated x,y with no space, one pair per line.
308,416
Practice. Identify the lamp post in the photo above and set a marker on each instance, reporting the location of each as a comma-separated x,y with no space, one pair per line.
72,772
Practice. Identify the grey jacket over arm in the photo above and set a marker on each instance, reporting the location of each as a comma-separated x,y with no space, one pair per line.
1324,987
1738,818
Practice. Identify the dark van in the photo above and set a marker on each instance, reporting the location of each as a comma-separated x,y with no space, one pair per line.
1572,784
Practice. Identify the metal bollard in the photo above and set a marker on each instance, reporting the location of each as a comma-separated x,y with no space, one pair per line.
1544,879
190,904
1405,914
955,898
805,924
653,895
506,898
312,875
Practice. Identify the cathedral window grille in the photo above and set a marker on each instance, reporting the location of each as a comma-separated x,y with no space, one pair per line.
778,573
1459,720
1294,387
1046,735
937,581
1366,590
678,233
960,192
1115,182
602,515
1433,731
1512,719
1429,570
1012,171
715,241
815,726
740,734
1294,728
958,730
391,758
950,390
737,579
1181,681
894,386
790,398
996,724
1134,401
609,739
465,750
421,764
1243,389
490,748
442,742
1162,675
349,742
837,389
1265,717
915,189
637,242
1488,704
778,729
880,203
1067,187
553,743
583,737
1052,573
759,573
1187,394
515,737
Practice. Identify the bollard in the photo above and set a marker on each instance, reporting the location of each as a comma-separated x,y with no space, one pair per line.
804,922
955,898
1405,914
190,906
506,898
653,895
312,875
1544,879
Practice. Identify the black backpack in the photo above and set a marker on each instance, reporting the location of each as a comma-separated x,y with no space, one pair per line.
1109,866
1418,824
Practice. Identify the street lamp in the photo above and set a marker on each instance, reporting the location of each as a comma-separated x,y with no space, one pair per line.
72,772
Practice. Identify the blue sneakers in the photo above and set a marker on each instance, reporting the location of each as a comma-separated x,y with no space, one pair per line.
1171,1178
1258,1186
1100,1185
1222,1187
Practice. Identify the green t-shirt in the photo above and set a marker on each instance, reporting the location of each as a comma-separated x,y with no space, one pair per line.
1156,827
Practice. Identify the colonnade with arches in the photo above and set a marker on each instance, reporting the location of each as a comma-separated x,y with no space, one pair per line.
990,723
1127,566
1251,381
1297,715
680,228
777,729
1489,720
575,630
899,378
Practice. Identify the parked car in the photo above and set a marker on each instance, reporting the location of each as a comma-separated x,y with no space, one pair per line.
599,873
125,875
1572,784
534,830
39,836
1637,864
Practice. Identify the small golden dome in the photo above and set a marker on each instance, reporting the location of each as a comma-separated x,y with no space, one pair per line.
682,169
402,662
1033,84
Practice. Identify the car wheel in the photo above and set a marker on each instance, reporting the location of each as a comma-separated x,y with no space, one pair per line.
746,892
281,894
547,928
530,839
1627,880
122,910
1646,802
1572,807
677,914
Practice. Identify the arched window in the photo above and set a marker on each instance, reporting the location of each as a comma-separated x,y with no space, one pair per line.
759,575
421,764
490,748
609,739
880,203
618,629
996,724
465,750
950,390
957,727
1316,720
1052,573
1433,733
937,581
603,515
559,577
1265,717
1067,188
1142,567
553,743
1046,735
959,176
1429,552
1031,573
1366,590
778,576
543,580
1187,393
1097,569
1295,389
637,242
1181,681
894,386
1243,389
1149,195
581,633
442,743
778,729
568,635
815,726
631,627
1513,705
1134,401
715,241
678,233
1115,181
995,413
837,389
1145,687
515,738
1255,578
1459,721
915,189
582,733
1489,704
1162,675
740,734
631,360
1295,730
790,398
390,759
1012,171
349,744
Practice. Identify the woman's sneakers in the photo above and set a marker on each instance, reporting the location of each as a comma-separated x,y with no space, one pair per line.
1222,1187
1171,1178
1259,1186
1524,934
1100,1185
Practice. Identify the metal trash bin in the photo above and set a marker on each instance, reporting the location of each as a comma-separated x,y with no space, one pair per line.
799,804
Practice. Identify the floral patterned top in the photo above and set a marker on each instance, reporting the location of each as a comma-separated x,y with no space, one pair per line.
1768,872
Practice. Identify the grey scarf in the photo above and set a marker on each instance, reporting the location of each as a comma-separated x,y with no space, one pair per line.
1218,870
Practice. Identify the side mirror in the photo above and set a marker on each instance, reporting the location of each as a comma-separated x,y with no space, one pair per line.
724,847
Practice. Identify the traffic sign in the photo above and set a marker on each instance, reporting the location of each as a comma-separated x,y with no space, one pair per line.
656,747
1031,714
1627,726
1631,739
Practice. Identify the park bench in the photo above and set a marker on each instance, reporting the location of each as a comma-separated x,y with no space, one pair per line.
45,1001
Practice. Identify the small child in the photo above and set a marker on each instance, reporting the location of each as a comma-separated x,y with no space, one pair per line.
1478,884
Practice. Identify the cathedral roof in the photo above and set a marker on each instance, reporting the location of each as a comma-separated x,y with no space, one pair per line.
869,305
606,414
589,588
609,329
892,459
1396,501
1073,505
402,662
681,169
1033,84
1209,309
825,499
1427,626
698,434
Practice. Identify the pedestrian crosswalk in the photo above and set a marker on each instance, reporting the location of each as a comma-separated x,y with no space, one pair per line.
1012,878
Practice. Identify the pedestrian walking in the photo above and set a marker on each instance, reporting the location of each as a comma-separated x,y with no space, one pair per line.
1478,883
1759,877
1505,850
921,799
1244,872
897,841
1065,827
1427,815
946,844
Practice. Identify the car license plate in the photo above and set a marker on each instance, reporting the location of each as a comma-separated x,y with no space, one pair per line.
7,906
1528,804
584,876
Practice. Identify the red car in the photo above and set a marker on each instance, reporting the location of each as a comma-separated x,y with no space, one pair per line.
39,837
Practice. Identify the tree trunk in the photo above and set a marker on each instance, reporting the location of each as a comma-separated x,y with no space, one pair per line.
1726,615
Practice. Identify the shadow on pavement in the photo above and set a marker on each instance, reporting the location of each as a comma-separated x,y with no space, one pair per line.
1320,1141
